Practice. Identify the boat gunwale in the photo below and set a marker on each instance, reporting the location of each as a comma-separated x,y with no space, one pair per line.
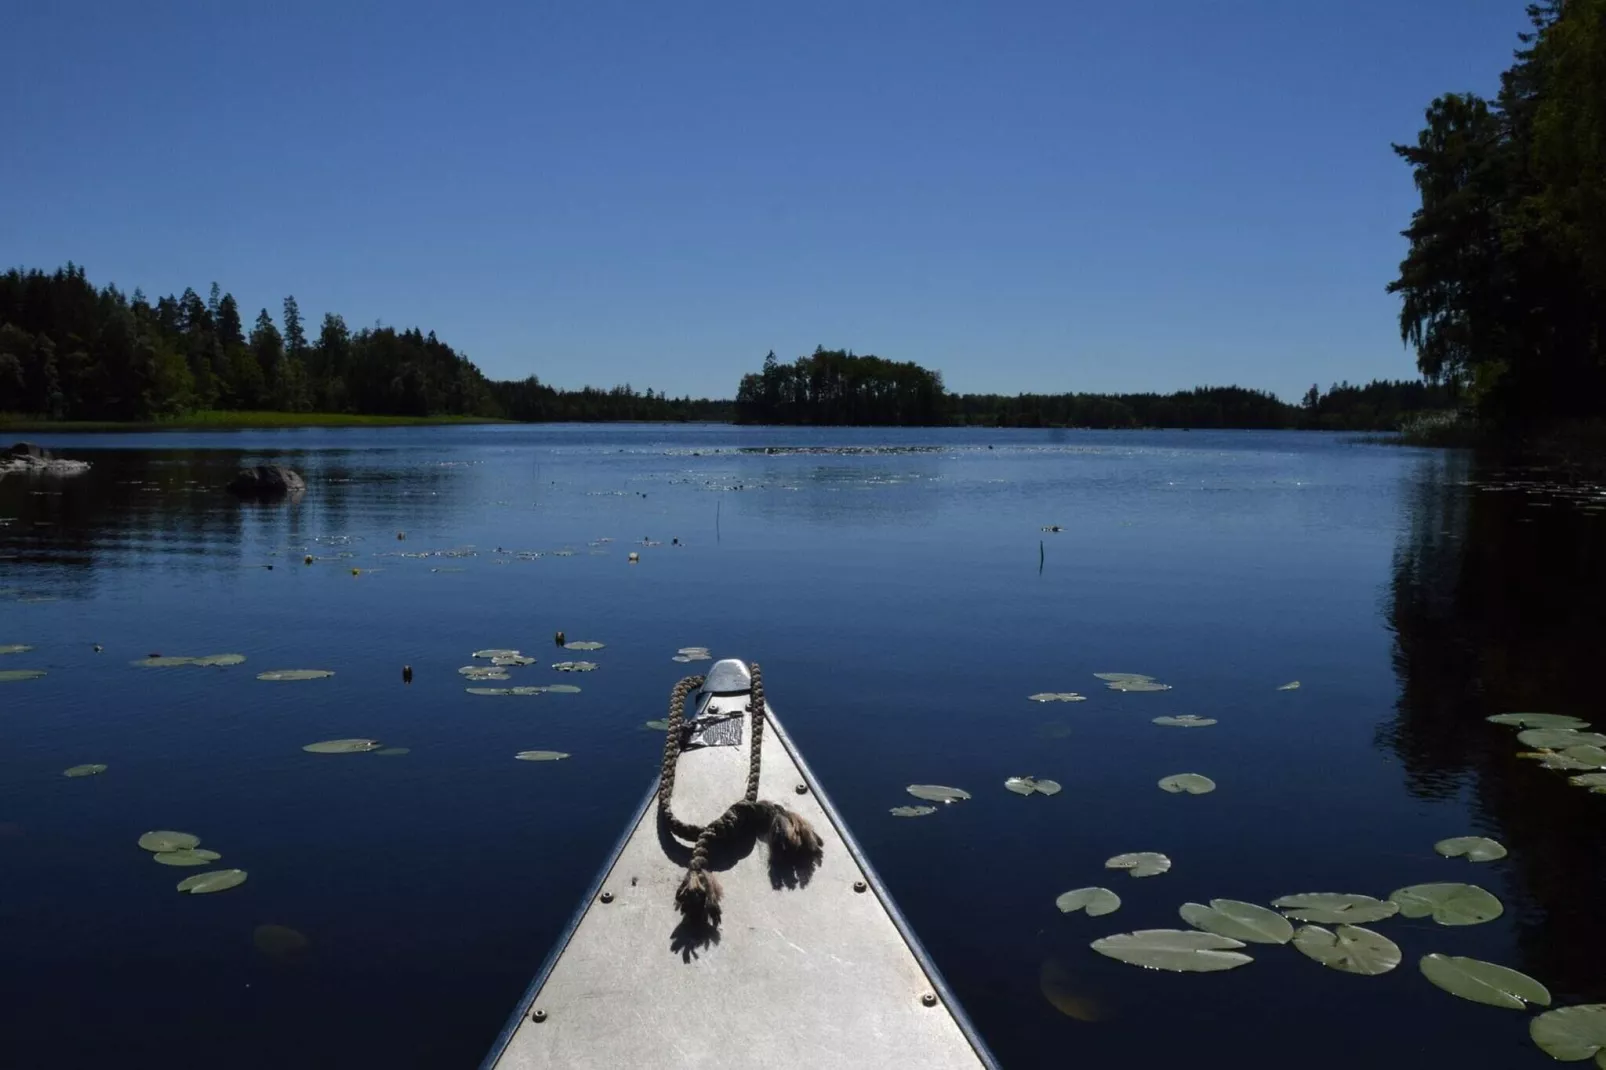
939,984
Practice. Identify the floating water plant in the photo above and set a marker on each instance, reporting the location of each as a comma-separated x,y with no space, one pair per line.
1177,950
1572,1034
1335,908
342,746
217,880
294,674
1349,948
1448,903
1096,901
1472,848
1140,863
1025,785
1234,918
937,793
167,840
1191,783
1484,982
1538,720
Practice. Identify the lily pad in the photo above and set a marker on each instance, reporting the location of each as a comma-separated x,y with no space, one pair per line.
280,942
585,644
217,880
912,811
1187,720
1576,759
342,746
15,648
159,661
1560,738
574,666
506,690
692,650
1292,685
540,755
1192,783
1178,950
1484,982
393,752
1137,685
1234,918
937,793
12,676
294,674
1025,785
516,659
165,840
1349,948
92,769
1595,782
192,856
499,652
1539,720
1335,908
484,672
1057,696
562,689
1122,677
660,725
219,660
1572,1034
1472,848
1448,903
1096,901
1140,863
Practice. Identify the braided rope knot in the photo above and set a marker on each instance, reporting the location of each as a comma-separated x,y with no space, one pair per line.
787,832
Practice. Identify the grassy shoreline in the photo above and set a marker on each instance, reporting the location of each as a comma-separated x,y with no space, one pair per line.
215,420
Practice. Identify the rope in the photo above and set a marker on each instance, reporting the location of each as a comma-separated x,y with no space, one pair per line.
699,893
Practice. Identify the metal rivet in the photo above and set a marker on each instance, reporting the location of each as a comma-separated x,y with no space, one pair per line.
538,1016
929,1000
802,789
860,886
607,897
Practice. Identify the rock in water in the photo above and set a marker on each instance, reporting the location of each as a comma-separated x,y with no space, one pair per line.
27,457
267,481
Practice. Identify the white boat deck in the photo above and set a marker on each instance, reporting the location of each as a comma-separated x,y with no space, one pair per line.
806,970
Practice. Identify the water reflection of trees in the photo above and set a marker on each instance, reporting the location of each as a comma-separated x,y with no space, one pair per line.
164,509
1495,606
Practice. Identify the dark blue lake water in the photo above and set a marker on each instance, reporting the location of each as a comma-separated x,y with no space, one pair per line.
902,612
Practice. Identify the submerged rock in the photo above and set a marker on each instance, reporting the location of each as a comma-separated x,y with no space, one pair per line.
28,457
267,481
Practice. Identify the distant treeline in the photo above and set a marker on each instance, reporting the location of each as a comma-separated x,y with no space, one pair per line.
69,351
836,387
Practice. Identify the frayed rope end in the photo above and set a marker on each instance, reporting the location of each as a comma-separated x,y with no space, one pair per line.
792,832
698,897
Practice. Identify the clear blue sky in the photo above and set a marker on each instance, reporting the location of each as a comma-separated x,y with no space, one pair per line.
1036,195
